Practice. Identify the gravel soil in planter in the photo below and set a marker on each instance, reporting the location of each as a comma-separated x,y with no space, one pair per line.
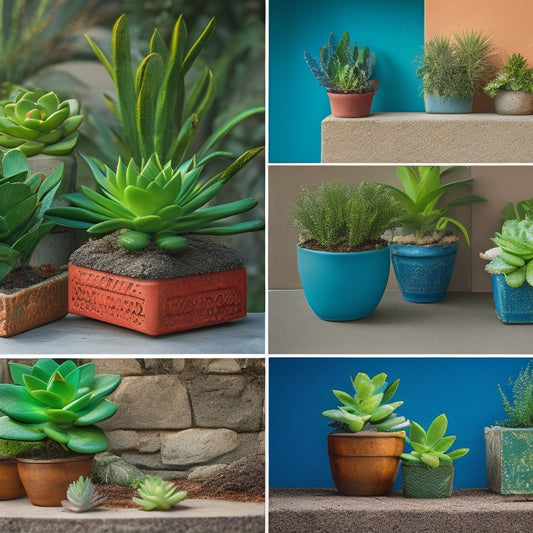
421,481
10,485
157,292
513,305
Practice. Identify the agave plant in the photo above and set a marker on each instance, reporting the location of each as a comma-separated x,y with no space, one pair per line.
61,402
156,203
156,493
81,496
38,122
24,198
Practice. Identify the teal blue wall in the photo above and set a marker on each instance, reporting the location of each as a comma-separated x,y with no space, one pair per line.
393,30
466,389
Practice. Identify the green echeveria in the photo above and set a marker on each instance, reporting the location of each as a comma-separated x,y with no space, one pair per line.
156,493
61,402
37,122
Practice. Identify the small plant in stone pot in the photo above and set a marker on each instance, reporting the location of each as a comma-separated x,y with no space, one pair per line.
422,249
368,437
453,69
427,471
346,73
509,444
59,403
512,88
343,262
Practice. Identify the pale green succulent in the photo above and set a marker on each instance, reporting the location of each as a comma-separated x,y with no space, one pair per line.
156,493
81,496
38,122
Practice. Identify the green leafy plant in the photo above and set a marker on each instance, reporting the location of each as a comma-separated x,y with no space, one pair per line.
82,496
422,190
368,406
24,199
37,122
455,66
156,203
520,211
343,68
520,412
339,214
514,76
61,402
431,448
156,493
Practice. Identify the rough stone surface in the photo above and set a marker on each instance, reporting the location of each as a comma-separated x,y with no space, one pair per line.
218,366
111,469
200,257
143,441
196,446
124,367
245,475
206,472
145,461
248,444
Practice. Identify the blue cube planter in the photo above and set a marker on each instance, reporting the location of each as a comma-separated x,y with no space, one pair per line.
423,272
343,286
513,306
435,104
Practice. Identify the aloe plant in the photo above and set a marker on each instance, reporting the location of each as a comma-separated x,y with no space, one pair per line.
24,199
369,405
38,122
58,401
156,493
431,447
82,496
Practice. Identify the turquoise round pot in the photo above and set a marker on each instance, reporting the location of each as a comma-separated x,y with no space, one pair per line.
513,306
423,272
435,104
343,286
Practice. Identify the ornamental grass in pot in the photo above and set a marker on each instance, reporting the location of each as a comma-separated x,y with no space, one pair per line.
59,403
427,471
346,73
368,437
343,262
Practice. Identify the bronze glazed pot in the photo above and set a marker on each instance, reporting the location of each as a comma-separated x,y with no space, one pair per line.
10,484
365,463
46,480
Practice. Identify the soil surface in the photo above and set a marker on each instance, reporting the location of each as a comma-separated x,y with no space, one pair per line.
24,277
344,247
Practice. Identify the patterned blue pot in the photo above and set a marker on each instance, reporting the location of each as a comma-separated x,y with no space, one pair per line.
343,286
435,104
513,306
423,272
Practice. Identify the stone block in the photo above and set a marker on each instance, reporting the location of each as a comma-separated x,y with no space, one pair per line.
202,473
217,366
123,367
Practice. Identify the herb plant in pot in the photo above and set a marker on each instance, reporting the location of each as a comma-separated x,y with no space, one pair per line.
345,72
509,444
342,261
368,439
512,88
453,69
60,403
422,252
427,472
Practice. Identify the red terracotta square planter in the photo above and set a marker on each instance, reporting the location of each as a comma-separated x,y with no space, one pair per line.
160,306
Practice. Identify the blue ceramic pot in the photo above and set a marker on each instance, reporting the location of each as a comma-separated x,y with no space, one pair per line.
423,272
513,306
343,286
435,104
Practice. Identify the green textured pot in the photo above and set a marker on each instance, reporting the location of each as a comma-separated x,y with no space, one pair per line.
421,481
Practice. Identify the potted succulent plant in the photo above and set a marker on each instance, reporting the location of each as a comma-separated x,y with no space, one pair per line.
512,88
509,445
453,69
346,73
422,252
60,403
427,471
368,437
342,261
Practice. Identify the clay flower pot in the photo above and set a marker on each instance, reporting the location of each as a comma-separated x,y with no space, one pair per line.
10,485
365,463
351,105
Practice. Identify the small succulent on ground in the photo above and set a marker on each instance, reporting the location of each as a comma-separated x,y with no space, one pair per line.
343,68
81,496
38,122
431,448
368,406
520,413
156,493
513,76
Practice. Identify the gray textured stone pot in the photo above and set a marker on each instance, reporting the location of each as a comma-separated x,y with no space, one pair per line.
509,460
513,103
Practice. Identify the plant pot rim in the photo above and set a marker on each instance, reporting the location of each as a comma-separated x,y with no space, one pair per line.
14,292
423,465
351,93
497,427
8,461
419,250
76,458
369,434
325,252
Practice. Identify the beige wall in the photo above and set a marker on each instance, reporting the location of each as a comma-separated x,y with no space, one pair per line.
498,184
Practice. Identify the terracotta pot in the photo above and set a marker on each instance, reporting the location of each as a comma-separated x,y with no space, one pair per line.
34,306
160,306
46,480
351,105
365,463
513,103
10,484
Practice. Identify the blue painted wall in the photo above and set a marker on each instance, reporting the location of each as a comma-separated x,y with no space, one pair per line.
393,30
466,389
